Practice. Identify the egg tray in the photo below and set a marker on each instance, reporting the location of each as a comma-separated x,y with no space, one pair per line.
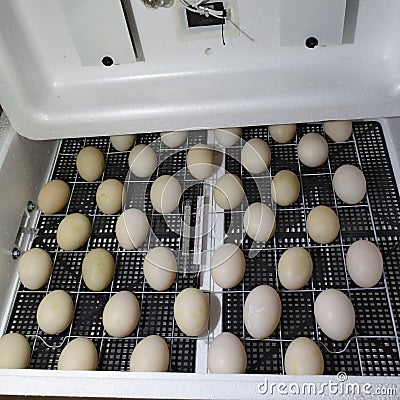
373,349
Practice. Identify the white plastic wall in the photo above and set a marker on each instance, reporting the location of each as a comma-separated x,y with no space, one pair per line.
189,79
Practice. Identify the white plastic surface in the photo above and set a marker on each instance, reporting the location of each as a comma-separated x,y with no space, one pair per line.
322,19
98,29
199,83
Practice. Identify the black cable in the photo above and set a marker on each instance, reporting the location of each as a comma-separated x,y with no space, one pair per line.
222,32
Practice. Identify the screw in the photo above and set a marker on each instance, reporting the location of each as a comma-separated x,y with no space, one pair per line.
30,206
311,42
107,61
15,253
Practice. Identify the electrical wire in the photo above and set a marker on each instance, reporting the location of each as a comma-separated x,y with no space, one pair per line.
201,9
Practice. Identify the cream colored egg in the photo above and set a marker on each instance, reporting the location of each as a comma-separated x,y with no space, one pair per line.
285,188
165,194
53,196
364,263
259,222
132,228
123,142
200,161
74,230
228,137
98,269
121,314
142,161
15,351
295,268
191,311
303,357
90,163
338,131
282,133
227,355
79,354
151,354
174,139
34,268
228,192
109,196
159,268
228,266
335,314
322,224
262,311
312,150
256,156
55,312
349,184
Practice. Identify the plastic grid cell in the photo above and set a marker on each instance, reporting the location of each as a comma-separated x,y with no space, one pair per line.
379,357
157,314
88,314
263,357
290,228
83,198
260,270
297,314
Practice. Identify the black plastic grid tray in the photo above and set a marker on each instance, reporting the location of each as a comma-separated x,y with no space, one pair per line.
374,347
156,308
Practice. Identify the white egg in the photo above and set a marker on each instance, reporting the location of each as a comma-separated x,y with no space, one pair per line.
174,139
349,184
110,196
200,161
228,191
74,230
90,163
228,137
259,222
303,357
165,194
335,314
191,311
142,161
256,156
364,263
285,188
312,150
228,266
295,268
283,133
98,269
338,131
121,314
34,268
55,312
123,142
132,228
159,268
15,351
151,354
322,224
262,311
79,354
227,355
53,196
